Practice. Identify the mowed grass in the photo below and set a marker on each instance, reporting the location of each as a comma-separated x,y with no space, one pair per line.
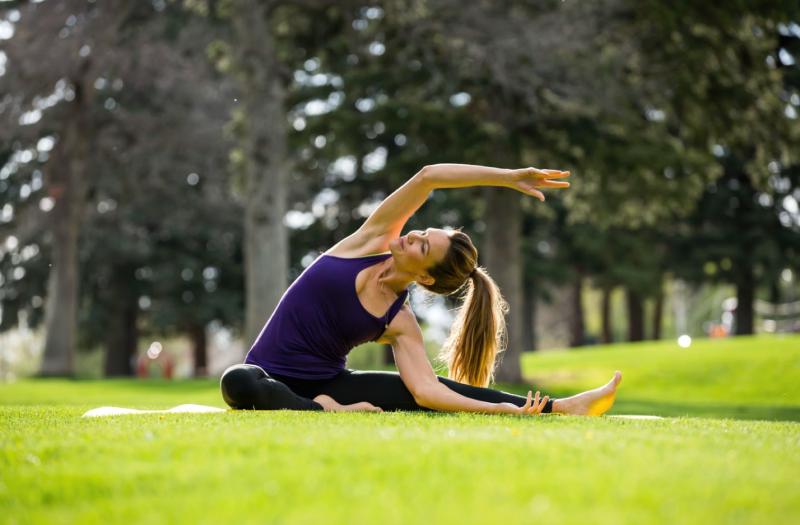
742,377
293,467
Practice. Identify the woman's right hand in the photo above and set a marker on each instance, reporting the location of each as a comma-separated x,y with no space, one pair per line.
532,407
527,180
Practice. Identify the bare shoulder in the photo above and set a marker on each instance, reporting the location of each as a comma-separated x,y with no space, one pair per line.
364,241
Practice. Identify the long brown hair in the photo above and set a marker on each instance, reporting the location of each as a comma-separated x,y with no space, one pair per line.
478,332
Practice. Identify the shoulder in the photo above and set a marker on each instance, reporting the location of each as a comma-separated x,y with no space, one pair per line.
364,241
403,325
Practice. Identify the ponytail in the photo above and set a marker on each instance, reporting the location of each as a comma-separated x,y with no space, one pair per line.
478,332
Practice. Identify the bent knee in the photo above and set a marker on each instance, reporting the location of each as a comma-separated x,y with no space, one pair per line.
239,386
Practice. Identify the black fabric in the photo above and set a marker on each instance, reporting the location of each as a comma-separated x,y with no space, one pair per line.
383,389
249,387
387,390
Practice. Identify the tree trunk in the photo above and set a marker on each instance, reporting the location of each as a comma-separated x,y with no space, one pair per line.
67,186
266,164
197,333
635,316
745,295
658,314
501,257
529,318
774,290
605,310
122,335
577,331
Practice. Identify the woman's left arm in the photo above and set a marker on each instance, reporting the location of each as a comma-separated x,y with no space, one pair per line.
388,219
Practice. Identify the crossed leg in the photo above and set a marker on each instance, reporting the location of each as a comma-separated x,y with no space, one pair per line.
249,387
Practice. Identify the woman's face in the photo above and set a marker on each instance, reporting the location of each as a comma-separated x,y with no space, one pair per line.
417,251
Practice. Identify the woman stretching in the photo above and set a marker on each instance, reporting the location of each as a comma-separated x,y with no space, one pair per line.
356,292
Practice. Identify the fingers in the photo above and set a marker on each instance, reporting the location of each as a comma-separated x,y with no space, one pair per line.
536,193
552,184
544,402
531,409
553,174
534,178
537,406
548,174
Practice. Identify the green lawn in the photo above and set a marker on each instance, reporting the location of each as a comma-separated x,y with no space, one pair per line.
288,467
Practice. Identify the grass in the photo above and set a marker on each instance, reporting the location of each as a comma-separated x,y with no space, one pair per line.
743,377
290,467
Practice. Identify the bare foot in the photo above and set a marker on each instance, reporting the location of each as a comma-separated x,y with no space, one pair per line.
591,403
330,405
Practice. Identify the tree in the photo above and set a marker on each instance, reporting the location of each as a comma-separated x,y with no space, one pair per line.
143,196
727,96
52,95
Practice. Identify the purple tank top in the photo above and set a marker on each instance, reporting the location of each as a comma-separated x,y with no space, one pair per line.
319,320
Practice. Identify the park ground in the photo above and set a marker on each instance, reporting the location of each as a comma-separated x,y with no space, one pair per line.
725,451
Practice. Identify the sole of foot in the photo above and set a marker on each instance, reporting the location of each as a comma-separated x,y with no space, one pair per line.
604,396
592,402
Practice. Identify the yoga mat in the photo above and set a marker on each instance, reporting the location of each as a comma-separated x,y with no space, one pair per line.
180,409
635,417
204,409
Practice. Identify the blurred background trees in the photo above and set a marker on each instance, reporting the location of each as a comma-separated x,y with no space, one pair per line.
169,166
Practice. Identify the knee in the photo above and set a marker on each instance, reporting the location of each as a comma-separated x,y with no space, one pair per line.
239,386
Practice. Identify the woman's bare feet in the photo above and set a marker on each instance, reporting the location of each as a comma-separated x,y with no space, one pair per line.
330,405
591,403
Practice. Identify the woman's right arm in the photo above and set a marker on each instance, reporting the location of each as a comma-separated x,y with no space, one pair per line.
417,374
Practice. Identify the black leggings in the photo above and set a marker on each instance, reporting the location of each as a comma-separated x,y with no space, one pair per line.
250,387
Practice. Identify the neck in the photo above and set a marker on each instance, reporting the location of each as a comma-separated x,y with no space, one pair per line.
392,277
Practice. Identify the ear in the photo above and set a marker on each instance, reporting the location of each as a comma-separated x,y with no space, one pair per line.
425,278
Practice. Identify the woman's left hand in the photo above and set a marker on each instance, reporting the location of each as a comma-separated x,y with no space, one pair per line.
527,180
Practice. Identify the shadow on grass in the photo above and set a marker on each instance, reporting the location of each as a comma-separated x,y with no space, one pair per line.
685,408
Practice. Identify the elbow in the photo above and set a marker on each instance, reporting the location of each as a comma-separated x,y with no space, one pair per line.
424,397
425,175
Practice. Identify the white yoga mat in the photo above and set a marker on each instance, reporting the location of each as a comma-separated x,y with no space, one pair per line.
620,416
180,409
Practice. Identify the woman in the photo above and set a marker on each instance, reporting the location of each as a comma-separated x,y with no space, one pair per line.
356,292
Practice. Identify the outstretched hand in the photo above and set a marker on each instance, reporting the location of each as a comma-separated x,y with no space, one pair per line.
527,180
532,407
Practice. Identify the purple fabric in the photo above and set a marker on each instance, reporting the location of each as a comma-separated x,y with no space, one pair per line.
319,320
